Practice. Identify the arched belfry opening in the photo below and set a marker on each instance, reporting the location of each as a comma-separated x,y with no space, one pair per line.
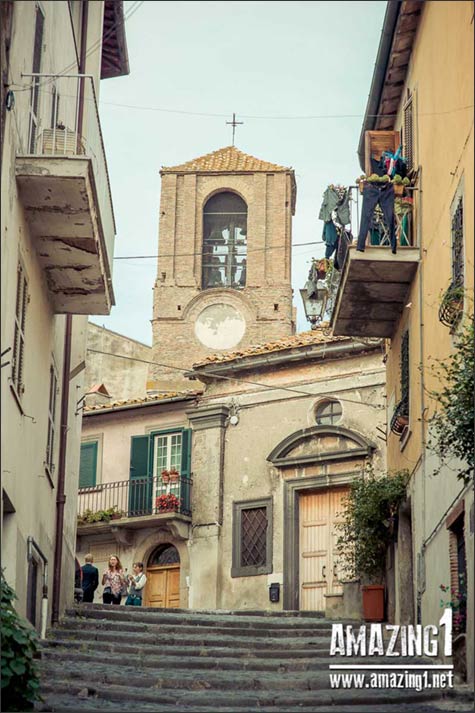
224,241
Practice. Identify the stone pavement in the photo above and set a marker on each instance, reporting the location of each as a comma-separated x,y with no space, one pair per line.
107,658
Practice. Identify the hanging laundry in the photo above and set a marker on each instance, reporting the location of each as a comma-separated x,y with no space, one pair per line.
374,194
336,198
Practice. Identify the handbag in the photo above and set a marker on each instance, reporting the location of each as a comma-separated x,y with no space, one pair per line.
107,590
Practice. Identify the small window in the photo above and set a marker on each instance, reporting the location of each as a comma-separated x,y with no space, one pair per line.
252,538
328,412
50,442
19,338
88,464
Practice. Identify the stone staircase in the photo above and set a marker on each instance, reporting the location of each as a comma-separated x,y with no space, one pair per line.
108,658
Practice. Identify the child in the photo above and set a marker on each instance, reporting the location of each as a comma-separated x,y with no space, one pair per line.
137,582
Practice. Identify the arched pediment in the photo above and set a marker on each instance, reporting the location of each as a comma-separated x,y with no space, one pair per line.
319,444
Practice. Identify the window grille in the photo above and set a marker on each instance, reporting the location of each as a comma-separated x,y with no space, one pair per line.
405,373
53,387
253,537
163,555
19,338
457,246
408,133
224,241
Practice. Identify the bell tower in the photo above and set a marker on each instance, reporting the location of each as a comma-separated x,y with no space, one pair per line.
224,261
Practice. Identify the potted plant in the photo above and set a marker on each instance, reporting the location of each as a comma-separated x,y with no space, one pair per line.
174,475
165,476
167,503
365,533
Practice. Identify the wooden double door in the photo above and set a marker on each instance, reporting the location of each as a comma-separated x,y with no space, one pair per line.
319,570
163,586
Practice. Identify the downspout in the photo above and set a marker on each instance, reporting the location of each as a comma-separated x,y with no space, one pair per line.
421,584
44,600
61,497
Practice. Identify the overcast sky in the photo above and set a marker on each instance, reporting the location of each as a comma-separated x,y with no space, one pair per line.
278,60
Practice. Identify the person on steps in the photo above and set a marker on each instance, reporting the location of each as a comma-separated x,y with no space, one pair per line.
90,579
113,581
137,582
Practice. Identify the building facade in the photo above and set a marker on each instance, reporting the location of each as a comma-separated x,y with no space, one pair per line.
423,100
224,260
264,456
57,233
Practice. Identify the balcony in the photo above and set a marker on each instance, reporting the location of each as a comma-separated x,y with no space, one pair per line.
374,285
124,506
61,171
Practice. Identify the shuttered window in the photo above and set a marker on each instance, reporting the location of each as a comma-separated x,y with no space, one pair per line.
36,69
457,245
50,442
408,133
19,336
88,464
252,538
405,372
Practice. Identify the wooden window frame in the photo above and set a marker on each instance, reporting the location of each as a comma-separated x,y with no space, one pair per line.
237,569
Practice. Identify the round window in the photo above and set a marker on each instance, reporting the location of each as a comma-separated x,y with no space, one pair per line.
165,554
328,412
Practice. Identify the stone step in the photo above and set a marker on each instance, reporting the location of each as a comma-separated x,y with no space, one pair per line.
218,700
197,639
142,679
186,662
150,615
207,613
184,629
182,648
63,702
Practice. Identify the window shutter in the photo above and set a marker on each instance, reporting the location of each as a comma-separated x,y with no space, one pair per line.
140,485
186,453
139,457
186,470
88,465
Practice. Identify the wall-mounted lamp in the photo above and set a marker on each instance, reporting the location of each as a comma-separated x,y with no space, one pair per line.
314,299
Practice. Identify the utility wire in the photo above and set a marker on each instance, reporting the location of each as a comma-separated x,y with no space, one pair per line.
253,250
229,378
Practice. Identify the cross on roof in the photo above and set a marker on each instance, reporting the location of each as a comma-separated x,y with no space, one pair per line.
234,123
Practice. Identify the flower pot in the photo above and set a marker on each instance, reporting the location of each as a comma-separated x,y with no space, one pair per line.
398,189
165,476
174,476
373,602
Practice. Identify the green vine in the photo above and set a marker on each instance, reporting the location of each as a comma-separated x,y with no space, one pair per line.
451,426
20,682
367,524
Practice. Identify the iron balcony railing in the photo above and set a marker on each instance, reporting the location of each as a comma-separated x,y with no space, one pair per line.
63,121
133,498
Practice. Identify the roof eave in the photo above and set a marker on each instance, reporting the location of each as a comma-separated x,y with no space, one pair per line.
380,68
272,359
128,407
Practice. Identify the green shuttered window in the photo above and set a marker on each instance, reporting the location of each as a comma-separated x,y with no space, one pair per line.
88,464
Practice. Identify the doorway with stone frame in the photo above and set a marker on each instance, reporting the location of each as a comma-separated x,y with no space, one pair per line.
163,578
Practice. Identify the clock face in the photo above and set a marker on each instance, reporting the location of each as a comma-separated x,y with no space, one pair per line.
220,326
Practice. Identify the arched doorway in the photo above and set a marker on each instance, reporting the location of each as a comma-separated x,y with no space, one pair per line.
163,577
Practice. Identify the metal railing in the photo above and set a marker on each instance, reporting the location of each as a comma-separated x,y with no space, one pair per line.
63,121
136,497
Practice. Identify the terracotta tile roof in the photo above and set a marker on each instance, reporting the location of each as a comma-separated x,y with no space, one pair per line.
139,401
225,159
303,339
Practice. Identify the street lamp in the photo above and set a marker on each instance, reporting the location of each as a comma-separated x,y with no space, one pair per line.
314,299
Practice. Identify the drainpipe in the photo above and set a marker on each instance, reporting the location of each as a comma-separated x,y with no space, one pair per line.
44,601
61,497
421,586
